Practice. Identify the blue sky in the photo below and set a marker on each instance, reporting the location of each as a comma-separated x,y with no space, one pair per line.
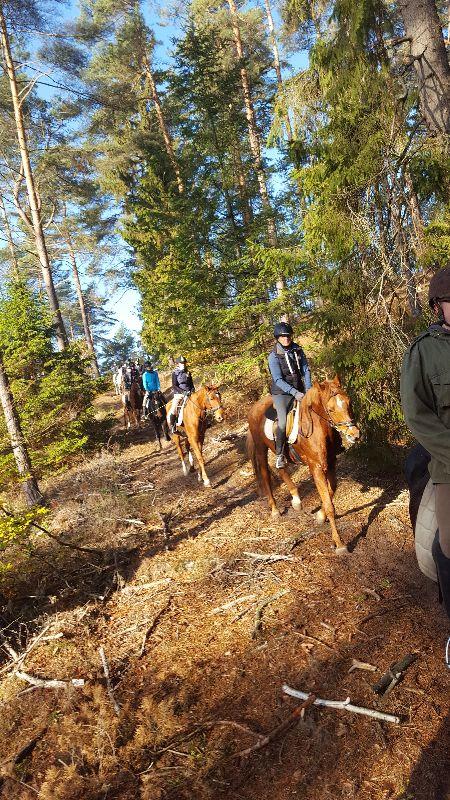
124,303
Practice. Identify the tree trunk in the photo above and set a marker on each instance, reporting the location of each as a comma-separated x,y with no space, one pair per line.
31,189
11,245
276,63
252,127
427,48
415,214
404,256
247,214
162,124
86,327
28,481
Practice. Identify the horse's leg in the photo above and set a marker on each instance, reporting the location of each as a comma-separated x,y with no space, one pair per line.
262,463
286,478
191,458
321,481
176,438
197,450
155,422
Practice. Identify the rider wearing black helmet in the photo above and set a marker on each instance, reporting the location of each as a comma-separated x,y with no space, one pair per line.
425,392
291,378
183,386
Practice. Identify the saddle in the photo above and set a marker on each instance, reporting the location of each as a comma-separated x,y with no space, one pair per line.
292,423
179,413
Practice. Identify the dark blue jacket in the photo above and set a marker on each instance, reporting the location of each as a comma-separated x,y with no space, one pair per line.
289,370
182,382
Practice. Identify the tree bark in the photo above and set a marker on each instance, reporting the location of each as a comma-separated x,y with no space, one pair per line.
11,245
41,247
247,214
28,481
86,327
427,48
276,63
252,126
162,124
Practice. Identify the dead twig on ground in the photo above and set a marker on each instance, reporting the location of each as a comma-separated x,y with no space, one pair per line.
232,603
294,717
42,683
109,688
394,675
344,705
139,587
260,609
361,665
153,625
386,610
314,639
269,557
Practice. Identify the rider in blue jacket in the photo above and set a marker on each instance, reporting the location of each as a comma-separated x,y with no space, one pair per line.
150,382
291,378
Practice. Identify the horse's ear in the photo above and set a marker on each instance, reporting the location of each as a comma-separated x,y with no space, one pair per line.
336,380
306,421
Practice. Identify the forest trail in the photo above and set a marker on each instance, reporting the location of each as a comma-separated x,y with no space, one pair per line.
172,595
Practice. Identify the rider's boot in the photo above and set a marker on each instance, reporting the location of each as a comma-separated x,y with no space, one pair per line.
443,574
172,423
279,449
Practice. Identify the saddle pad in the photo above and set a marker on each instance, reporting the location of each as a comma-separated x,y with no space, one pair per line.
181,411
426,527
292,423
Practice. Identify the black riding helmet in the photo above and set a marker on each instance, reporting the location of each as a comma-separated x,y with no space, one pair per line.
181,360
439,288
283,329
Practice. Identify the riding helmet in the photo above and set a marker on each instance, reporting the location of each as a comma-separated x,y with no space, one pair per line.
181,360
283,329
439,286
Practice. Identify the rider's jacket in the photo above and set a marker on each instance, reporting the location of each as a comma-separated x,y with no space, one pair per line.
182,382
150,381
425,393
289,370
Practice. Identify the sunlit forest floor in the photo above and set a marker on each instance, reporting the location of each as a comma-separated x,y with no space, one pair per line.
174,592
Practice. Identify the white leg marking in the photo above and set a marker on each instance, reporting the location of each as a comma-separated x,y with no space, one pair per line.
296,502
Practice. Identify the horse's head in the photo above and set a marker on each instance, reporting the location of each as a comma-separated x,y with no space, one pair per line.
213,402
338,407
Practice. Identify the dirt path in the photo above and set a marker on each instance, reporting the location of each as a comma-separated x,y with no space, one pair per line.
173,597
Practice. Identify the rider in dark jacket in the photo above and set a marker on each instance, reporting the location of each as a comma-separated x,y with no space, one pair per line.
183,386
291,378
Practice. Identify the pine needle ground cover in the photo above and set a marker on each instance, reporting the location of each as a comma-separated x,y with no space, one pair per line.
172,592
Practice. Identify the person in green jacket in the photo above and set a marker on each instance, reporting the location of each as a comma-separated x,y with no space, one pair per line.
425,394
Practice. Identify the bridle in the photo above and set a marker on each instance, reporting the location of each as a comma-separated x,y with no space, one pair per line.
207,411
329,419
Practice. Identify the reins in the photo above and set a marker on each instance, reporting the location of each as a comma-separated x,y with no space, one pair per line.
205,411
328,419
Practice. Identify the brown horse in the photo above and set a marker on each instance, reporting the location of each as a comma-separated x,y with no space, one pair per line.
192,432
325,411
132,403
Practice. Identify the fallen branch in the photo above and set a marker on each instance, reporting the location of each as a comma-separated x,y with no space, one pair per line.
361,665
152,627
57,538
345,705
386,610
108,680
265,740
314,639
269,557
42,683
139,587
260,609
232,603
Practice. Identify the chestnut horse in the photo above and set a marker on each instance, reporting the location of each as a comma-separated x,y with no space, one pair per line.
325,411
192,432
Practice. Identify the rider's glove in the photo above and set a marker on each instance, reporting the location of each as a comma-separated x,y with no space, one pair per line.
299,396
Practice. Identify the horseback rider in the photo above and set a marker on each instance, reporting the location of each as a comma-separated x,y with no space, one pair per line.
425,393
183,386
150,382
291,378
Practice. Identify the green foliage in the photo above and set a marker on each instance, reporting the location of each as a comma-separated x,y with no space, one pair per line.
15,528
52,391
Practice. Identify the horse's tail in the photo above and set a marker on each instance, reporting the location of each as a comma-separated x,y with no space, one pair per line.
255,457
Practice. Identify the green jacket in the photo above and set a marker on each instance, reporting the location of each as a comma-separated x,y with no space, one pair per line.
425,393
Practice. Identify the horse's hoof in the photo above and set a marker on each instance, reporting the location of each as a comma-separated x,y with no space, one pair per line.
341,551
199,477
296,503
275,513
207,482
321,516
